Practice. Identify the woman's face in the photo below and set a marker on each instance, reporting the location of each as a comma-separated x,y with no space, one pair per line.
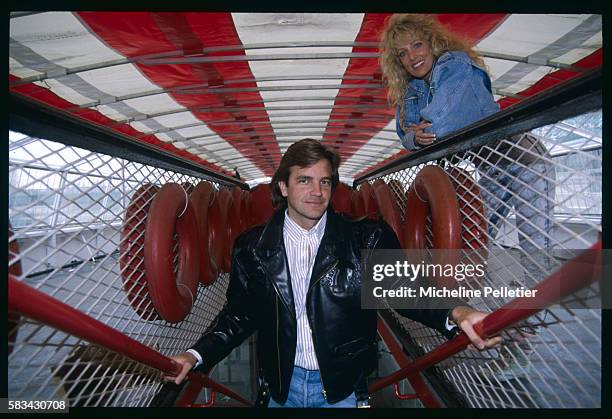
416,56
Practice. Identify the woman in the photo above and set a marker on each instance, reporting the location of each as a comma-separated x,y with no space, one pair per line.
438,84
436,81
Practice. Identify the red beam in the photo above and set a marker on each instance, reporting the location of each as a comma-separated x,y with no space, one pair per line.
48,310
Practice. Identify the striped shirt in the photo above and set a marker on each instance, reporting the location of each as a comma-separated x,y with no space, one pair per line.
301,246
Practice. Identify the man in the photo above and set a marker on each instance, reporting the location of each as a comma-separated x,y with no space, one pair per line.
297,281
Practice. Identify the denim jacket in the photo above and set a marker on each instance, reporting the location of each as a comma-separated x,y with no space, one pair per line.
459,94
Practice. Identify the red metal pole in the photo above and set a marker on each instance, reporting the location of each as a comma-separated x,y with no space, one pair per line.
401,396
571,277
423,392
191,393
48,310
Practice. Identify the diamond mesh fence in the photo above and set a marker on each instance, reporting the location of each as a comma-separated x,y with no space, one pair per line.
67,209
537,196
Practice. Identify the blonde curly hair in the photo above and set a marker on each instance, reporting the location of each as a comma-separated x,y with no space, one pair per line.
409,27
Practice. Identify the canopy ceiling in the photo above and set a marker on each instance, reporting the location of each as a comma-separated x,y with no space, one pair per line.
234,90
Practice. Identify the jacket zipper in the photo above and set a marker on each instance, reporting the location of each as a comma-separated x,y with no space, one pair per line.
317,354
321,277
310,326
278,297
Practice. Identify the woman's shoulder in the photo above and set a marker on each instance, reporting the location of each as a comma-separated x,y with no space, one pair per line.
457,61
454,56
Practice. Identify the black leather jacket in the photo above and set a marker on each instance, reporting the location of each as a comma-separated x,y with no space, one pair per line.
260,298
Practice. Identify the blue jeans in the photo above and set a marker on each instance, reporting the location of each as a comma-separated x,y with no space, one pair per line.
531,191
306,390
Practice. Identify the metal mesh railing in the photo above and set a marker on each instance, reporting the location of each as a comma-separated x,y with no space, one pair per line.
541,195
66,209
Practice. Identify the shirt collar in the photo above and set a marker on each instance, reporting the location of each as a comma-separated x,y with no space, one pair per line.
294,232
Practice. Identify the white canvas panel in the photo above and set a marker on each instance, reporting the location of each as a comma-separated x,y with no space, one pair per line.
496,67
177,119
17,69
64,92
119,80
195,131
525,34
589,47
61,38
154,104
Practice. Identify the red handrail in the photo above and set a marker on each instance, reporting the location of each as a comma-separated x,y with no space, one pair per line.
32,303
39,306
571,277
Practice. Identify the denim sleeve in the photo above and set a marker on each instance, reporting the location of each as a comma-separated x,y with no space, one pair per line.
407,139
453,81
398,126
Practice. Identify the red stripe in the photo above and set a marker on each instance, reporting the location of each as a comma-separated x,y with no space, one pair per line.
472,27
368,67
217,29
94,117
136,34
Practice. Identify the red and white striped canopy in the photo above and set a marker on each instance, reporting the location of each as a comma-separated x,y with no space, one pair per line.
234,90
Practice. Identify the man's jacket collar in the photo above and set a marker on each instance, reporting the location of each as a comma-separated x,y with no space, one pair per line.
271,239
271,251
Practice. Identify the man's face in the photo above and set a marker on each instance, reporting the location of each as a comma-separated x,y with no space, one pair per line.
308,192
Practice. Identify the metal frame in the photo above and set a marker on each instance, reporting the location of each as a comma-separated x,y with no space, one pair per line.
179,56
224,90
262,122
258,57
38,120
331,130
232,109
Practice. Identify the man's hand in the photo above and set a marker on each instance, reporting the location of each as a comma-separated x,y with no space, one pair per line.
186,361
466,317
421,137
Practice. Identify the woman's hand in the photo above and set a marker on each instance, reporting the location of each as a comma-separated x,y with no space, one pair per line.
420,137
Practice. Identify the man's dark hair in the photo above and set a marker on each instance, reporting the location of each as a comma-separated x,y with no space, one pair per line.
303,153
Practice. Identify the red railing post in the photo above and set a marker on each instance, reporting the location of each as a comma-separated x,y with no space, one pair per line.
401,396
423,392
192,391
